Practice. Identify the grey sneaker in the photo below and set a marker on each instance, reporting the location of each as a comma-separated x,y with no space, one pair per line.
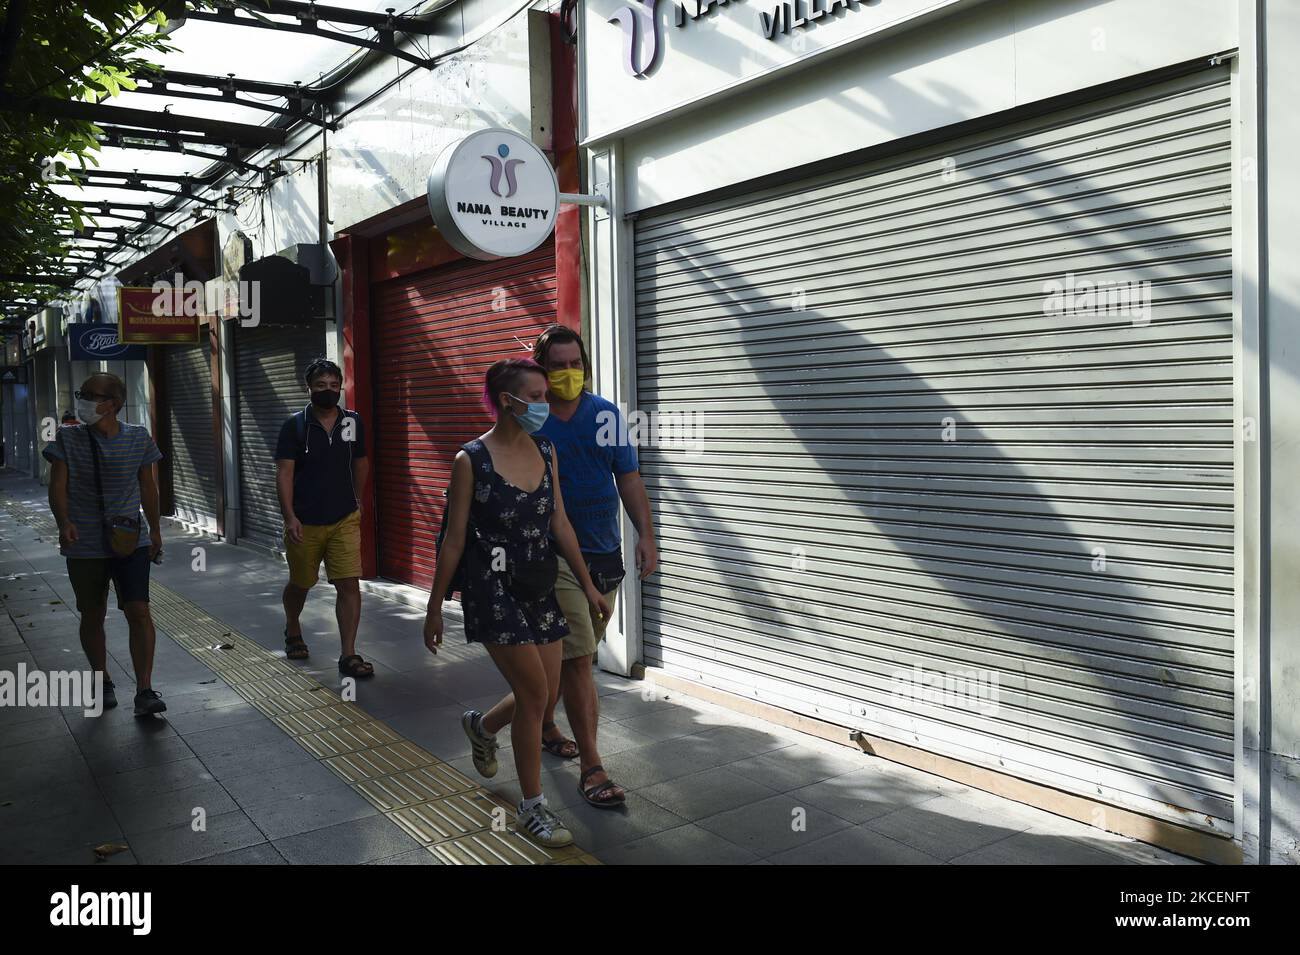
484,747
544,827
148,702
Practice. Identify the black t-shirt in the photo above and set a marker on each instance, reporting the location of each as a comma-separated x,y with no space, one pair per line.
322,474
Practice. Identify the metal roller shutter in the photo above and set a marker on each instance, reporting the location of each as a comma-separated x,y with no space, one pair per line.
192,457
18,438
436,333
923,468
269,362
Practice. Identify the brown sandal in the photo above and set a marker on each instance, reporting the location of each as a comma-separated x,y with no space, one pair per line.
295,648
592,795
355,667
562,748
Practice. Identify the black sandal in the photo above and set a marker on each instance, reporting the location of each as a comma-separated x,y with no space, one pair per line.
355,667
590,794
295,648
556,746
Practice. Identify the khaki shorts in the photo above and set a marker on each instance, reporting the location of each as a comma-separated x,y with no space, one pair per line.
339,545
585,633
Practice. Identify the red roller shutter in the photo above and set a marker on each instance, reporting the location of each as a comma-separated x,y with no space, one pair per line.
435,333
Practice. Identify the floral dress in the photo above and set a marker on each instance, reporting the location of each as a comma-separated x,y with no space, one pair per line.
519,522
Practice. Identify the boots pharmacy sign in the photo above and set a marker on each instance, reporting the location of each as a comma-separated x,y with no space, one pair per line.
89,342
647,57
493,195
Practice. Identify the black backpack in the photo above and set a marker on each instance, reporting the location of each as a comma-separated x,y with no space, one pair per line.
458,578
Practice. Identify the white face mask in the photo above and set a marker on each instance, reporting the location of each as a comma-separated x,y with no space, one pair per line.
86,411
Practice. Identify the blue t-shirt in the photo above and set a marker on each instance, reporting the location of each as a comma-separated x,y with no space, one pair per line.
593,448
120,460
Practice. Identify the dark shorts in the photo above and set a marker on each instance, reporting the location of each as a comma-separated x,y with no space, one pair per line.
90,577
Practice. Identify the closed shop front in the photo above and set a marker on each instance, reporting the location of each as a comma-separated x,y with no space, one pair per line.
191,453
17,427
435,334
969,456
15,408
44,403
269,362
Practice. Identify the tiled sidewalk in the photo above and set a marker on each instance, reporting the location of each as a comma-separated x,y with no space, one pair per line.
705,785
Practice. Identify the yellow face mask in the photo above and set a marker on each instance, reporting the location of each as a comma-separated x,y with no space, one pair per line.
567,384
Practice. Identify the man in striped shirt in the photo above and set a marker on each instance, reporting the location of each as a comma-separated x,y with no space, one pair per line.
83,504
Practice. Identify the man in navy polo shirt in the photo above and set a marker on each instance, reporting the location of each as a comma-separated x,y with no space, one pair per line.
321,466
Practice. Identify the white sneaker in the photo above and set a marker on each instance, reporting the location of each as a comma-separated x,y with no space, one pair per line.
484,747
544,827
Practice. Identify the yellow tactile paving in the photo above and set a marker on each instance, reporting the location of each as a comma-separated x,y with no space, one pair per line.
301,701
453,817
321,718
426,783
347,739
501,848
222,660
380,761
276,686
248,673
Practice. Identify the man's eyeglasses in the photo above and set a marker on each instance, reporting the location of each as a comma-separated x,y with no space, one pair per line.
81,395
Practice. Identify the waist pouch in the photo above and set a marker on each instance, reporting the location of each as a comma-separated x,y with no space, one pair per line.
532,579
606,570
122,535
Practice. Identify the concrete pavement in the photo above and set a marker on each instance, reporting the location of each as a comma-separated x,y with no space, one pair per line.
281,769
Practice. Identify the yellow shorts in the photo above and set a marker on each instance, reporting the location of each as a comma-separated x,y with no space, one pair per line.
339,545
585,633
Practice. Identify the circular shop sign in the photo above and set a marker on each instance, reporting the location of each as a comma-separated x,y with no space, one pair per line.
493,195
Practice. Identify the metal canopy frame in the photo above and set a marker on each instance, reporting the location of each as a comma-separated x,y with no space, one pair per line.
121,137
114,132
88,232
229,144
244,133
230,82
386,25
119,241
59,280
296,112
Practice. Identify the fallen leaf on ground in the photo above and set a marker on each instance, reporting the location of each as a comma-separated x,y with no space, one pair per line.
109,849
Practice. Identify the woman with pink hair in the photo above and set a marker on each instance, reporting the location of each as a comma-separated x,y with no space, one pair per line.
504,508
